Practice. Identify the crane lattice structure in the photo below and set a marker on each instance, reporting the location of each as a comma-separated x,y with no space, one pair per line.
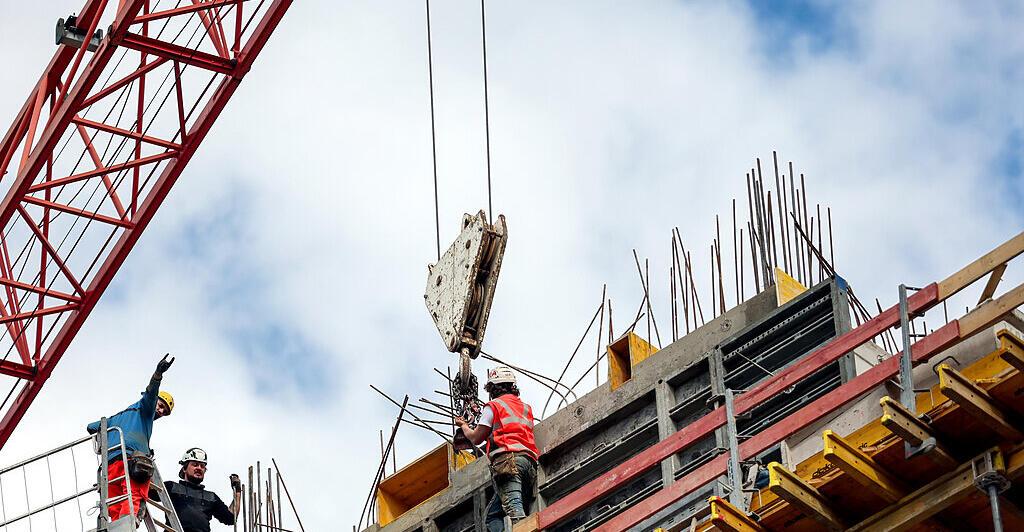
130,94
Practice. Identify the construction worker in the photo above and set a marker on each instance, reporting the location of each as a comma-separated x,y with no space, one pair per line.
506,423
136,423
195,505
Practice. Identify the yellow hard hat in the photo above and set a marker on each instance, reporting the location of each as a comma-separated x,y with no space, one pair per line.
169,399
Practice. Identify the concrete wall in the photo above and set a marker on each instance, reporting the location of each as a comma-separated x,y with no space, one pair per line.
667,391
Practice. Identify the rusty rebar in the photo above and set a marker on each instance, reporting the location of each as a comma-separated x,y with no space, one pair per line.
750,231
735,255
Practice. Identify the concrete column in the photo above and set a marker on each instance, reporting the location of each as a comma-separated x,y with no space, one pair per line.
841,319
664,400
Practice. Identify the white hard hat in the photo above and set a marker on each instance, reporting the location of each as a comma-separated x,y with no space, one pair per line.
501,375
194,454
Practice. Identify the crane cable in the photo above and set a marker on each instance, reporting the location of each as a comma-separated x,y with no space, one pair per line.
487,114
433,128
433,133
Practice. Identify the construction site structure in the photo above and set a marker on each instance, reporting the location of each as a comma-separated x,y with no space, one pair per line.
779,414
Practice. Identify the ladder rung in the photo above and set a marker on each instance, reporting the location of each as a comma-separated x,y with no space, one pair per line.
115,500
163,526
159,506
115,479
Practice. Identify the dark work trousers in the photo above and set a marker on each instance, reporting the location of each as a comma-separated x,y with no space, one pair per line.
513,494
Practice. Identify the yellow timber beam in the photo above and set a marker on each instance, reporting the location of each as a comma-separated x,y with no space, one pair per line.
861,467
729,518
526,525
1011,349
991,312
914,431
977,401
993,283
791,488
935,497
981,267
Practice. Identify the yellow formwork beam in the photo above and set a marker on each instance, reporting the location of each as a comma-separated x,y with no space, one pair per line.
1011,349
977,401
861,467
936,496
914,431
791,488
729,518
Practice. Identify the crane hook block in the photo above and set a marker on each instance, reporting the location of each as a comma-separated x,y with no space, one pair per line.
460,285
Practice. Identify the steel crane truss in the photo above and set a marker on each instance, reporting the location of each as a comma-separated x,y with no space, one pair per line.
93,153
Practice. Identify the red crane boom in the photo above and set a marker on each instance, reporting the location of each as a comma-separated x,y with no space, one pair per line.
92,154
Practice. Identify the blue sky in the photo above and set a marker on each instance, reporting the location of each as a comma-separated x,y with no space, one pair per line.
817,26
286,268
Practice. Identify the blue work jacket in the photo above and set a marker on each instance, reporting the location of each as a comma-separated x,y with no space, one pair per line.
136,422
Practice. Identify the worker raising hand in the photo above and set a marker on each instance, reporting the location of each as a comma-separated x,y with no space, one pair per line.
164,364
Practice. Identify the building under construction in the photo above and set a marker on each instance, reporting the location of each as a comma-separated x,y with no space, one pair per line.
798,408
793,410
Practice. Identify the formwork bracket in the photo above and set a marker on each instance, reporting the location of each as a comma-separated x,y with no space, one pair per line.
917,434
1011,349
861,467
729,518
810,501
977,401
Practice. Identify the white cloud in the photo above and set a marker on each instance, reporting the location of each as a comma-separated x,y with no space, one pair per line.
610,122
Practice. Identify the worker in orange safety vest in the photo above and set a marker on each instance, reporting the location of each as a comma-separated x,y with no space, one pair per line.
506,423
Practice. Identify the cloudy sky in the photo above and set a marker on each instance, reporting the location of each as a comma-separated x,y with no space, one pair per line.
286,269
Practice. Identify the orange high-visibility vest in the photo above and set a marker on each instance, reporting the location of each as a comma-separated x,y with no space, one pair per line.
512,429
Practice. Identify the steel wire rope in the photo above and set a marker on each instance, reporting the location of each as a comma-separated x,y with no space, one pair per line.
106,149
30,243
433,132
71,133
126,89
110,75
487,113
121,174
124,139
153,170
120,177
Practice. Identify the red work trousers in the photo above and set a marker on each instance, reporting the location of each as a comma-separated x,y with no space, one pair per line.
140,491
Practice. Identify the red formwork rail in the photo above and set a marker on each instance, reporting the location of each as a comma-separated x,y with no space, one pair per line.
923,350
166,73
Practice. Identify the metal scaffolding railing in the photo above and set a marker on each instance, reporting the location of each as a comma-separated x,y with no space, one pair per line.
65,489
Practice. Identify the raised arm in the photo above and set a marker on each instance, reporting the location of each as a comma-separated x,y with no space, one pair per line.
147,406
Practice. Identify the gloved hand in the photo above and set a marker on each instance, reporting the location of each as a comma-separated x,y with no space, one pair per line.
164,364
236,483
